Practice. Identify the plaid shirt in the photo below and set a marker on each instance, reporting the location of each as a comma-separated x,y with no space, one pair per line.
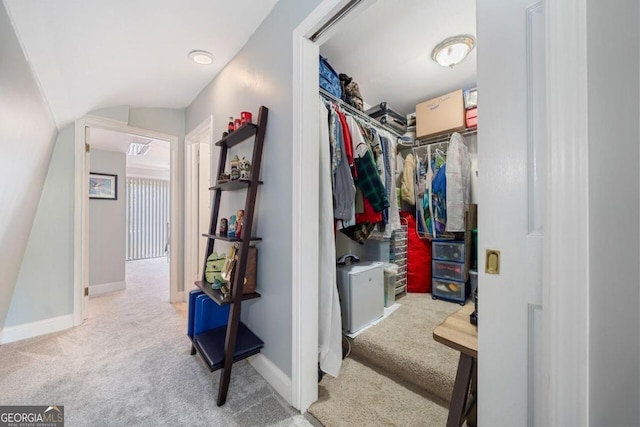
370,183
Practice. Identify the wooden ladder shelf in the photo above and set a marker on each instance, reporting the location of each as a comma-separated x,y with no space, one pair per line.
222,346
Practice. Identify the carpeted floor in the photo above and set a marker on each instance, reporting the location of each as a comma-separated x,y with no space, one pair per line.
396,375
403,346
129,364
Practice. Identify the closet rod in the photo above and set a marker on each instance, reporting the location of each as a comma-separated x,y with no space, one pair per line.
357,112
444,138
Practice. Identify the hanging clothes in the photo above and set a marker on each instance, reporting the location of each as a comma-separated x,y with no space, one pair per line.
344,189
329,315
458,182
407,189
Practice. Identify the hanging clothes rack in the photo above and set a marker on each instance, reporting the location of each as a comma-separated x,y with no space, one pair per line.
357,113
437,139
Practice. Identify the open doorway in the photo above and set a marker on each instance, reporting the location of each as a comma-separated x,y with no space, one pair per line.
130,230
515,293
159,242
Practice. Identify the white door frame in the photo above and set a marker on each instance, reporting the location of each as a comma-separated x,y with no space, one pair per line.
204,129
81,206
565,261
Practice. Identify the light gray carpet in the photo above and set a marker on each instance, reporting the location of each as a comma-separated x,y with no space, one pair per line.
129,364
396,375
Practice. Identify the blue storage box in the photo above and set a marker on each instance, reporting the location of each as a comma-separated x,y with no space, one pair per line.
204,313
209,315
192,310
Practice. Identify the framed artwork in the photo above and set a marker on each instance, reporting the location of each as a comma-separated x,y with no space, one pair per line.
103,186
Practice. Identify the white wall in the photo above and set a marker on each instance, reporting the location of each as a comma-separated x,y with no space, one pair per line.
261,74
27,134
108,223
44,285
614,329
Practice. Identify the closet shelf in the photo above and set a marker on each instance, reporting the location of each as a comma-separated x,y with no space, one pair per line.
210,345
236,137
230,239
233,185
357,112
218,297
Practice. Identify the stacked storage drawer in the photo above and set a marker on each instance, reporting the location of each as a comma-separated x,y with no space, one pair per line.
449,271
398,255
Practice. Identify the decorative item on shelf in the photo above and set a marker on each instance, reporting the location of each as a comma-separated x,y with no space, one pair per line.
235,170
231,232
245,168
238,123
225,134
239,222
231,125
245,116
224,227
224,177
229,263
213,269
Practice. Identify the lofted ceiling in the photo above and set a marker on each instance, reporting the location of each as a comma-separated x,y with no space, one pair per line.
157,158
88,55
387,49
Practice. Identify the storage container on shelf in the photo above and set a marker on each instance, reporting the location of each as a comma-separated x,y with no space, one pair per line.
450,290
449,270
448,250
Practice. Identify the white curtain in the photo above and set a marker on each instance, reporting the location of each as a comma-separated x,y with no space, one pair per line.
330,320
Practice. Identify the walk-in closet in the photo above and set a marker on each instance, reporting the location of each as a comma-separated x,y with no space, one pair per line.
398,214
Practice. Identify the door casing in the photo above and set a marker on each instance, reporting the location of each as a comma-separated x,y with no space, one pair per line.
567,173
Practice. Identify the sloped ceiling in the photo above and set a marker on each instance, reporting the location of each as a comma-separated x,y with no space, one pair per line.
387,50
88,55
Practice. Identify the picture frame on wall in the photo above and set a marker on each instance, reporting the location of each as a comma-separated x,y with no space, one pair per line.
103,186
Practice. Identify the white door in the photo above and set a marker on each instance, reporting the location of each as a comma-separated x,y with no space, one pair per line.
197,209
511,157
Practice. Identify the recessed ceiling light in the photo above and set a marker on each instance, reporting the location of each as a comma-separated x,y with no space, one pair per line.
201,57
453,50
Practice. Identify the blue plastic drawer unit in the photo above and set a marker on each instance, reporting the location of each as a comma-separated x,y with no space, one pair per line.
449,290
448,250
448,270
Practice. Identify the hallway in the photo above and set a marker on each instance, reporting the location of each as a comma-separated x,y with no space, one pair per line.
129,364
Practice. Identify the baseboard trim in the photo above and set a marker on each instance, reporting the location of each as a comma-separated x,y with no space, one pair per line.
35,329
105,288
274,376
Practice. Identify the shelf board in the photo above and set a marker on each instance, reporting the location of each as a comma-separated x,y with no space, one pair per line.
236,137
230,239
210,345
236,184
216,294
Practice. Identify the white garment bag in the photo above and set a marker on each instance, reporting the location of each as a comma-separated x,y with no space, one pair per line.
458,182
329,316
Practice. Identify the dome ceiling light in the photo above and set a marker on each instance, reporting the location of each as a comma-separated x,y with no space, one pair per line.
453,50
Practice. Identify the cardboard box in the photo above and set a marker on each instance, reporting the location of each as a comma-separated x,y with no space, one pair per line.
471,118
440,115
